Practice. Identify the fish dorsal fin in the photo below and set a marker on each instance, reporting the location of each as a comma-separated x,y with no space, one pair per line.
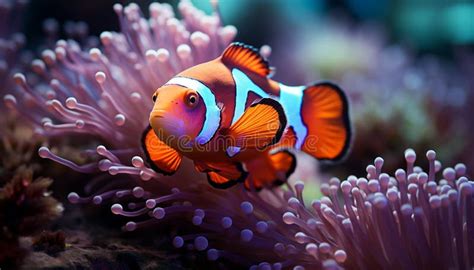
246,57
160,156
261,125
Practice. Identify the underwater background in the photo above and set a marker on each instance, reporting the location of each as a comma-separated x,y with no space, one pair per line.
76,79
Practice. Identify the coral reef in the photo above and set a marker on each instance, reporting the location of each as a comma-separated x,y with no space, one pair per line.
50,242
26,204
99,248
26,208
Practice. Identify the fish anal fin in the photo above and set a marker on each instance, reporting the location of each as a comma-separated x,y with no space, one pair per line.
246,57
161,157
284,161
218,181
201,167
230,170
270,169
261,125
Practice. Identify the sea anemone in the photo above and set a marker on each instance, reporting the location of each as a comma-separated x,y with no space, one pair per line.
411,220
402,219
379,221
11,43
375,222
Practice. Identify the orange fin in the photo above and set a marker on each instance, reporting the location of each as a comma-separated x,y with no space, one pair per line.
262,124
270,169
325,113
201,167
161,157
288,139
222,174
284,161
246,57
231,170
218,181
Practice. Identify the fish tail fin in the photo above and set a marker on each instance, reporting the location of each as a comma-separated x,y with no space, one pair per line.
270,169
326,115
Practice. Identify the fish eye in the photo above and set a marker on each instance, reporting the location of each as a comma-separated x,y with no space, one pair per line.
192,99
154,98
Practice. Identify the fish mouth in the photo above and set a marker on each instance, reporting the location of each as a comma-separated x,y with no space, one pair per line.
157,117
158,113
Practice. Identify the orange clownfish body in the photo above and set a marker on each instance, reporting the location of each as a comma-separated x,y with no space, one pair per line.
238,125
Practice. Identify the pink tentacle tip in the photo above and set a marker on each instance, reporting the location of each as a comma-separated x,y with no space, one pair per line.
116,209
10,101
73,197
137,162
44,152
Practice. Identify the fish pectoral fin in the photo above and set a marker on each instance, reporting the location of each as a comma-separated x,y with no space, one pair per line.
159,155
261,125
246,57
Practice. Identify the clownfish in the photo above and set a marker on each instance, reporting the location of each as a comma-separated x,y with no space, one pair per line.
238,125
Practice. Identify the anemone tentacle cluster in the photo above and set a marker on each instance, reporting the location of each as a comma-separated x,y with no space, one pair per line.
11,43
411,220
106,92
